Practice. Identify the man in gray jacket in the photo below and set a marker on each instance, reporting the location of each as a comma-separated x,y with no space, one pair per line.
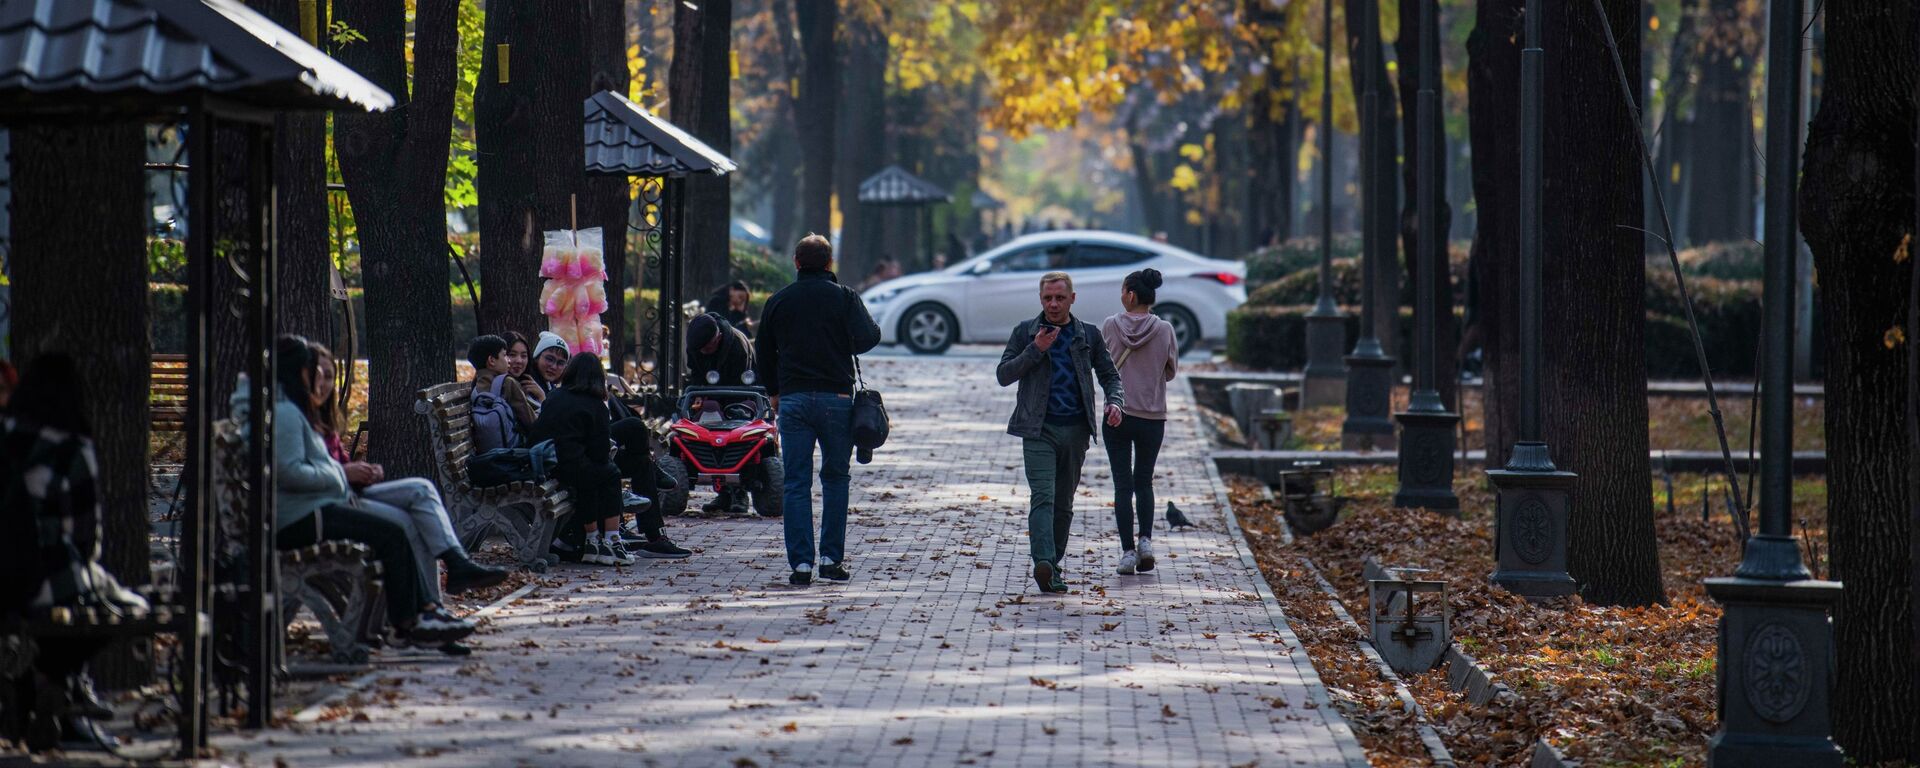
1056,358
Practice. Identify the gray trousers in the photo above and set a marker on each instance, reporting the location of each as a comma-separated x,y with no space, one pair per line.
414,504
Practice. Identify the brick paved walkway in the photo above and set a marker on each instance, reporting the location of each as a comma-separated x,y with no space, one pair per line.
939,652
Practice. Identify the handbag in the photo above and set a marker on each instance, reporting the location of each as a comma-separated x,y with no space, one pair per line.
870,422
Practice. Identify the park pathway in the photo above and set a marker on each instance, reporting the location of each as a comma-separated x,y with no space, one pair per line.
939,652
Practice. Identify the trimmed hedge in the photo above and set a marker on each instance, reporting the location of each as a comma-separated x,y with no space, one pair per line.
1275,338
1278,261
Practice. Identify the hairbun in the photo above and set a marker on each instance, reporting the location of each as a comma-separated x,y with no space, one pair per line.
1151,277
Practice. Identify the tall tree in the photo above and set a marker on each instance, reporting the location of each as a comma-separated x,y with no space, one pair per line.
527,133
303,300
699,86
818,109
1386,125
861,109
395,166
784,228
1857,199
606,201
79,273
1446,329
503,118
1595,372
1493,124
1720,170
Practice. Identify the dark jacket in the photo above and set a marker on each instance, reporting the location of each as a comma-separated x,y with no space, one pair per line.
733,358
1025,363
578,426
720,304
809,333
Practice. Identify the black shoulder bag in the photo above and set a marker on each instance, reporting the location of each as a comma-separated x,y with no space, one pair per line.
870,421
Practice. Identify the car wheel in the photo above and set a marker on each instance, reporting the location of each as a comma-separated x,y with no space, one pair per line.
928,329
1186,329
673,503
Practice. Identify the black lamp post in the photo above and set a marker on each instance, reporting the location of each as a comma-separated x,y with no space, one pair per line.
1369,370
1426,439
1323,380
1531,532
1776,642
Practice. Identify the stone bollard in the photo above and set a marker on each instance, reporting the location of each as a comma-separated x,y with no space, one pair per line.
1248,401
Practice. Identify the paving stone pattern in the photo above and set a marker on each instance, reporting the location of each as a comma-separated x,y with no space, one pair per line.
941,651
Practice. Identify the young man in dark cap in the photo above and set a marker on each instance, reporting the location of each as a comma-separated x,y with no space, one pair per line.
809,333
715,347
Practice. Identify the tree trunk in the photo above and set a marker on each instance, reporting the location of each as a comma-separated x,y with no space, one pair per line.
79,271
1446,330
783,230
1721,172
606,201
395,165
504,116
1857,198
1385,173
1672,135
819,101
1228,230
1595,372
1493,121
699,83
1268,164
303,301
861,110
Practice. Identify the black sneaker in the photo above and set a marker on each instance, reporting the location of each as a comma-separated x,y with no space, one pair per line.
456,649
801,576
465,575
565,554
82,701
435,628
661,548
835,572
1044,576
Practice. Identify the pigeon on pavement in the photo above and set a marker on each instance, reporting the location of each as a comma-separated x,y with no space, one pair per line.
1175,519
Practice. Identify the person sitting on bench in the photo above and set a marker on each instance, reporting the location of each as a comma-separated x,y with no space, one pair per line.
314,502
411,501
50,505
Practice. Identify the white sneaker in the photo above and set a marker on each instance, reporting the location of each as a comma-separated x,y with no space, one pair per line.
617,553
1145,553
1128,560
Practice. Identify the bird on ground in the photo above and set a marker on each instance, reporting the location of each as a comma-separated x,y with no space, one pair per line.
1175,519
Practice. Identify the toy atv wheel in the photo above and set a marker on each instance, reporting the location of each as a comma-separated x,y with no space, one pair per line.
674,502
769,487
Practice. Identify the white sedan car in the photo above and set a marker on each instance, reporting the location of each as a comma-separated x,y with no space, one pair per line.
981,299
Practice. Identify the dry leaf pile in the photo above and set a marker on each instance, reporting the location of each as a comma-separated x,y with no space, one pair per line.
1628,685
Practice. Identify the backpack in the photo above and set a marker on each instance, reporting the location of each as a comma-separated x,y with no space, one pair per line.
501,466
494,425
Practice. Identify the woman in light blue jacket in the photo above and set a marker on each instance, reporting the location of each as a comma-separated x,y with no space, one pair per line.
313,503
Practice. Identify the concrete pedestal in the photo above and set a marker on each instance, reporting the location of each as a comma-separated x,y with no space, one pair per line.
1426,460
1530,531
1324,381
1776,674
1369,423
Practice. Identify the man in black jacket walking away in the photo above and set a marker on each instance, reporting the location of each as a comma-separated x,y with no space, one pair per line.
1056,358
808,335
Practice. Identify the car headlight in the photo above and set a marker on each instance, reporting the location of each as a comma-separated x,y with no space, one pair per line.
882,297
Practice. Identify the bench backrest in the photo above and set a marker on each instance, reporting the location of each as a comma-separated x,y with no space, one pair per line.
448,410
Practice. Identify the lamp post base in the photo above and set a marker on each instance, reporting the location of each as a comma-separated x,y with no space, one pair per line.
1530,528
1776,678
1324,379
1426,457
1369,423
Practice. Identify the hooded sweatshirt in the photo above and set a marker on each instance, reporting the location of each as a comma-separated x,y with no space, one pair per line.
1151,363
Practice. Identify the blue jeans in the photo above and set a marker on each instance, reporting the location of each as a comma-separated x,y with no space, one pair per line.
807,418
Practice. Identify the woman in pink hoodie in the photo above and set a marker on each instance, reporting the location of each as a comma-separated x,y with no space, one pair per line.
1143,348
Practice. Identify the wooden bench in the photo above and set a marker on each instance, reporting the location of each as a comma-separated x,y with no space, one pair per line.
337,581
523,513
167,397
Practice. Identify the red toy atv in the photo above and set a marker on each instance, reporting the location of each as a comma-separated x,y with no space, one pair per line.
721,438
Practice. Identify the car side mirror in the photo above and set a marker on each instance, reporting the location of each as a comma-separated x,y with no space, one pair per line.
981,268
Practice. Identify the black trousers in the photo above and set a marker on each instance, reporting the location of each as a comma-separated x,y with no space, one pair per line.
1132,448
388,540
